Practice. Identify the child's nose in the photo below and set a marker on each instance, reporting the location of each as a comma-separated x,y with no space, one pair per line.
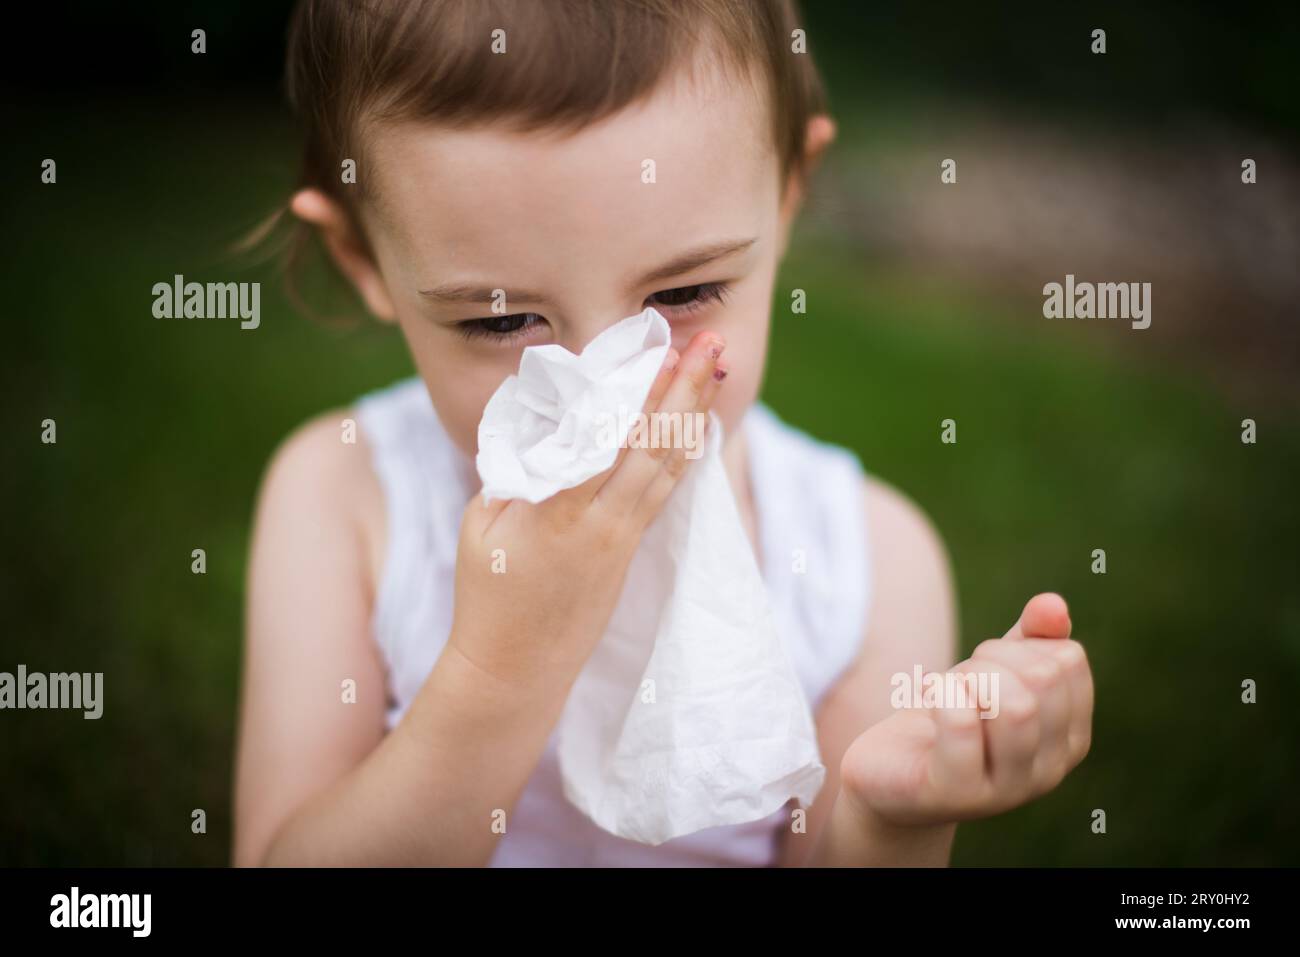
579,330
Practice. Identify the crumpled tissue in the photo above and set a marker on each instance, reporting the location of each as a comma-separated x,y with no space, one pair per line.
689,713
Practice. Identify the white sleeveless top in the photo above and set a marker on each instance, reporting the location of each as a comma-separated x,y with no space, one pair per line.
808,499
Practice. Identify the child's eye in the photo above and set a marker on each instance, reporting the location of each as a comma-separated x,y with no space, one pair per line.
500,328
686,298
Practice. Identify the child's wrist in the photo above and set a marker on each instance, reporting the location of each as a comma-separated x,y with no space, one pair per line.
480,692
860,836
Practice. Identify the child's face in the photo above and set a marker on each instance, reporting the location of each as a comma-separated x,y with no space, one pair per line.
578,231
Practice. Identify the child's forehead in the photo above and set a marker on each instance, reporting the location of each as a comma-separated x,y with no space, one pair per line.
698,134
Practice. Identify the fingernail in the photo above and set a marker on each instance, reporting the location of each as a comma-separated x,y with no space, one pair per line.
673,357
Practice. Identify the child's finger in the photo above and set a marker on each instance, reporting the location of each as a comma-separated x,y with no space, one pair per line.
1045,626
641,466
957,758
711,388
1012,728
662,485
1073,659
1045,679
582,495
1046,615
659,388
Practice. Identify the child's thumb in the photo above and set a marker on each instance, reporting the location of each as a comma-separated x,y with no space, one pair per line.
1045,616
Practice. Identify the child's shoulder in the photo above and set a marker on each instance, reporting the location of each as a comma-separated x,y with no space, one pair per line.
319,482
914,612
899,524
326,459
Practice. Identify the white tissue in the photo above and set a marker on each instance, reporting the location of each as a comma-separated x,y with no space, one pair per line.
689,713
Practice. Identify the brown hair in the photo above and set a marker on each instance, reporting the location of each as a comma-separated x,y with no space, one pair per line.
568,63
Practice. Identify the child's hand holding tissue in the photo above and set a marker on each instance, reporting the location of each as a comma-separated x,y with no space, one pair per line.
567,556
688,714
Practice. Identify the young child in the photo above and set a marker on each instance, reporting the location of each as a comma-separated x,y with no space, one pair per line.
580,162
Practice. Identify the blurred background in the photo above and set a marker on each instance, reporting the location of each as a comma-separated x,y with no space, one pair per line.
924,302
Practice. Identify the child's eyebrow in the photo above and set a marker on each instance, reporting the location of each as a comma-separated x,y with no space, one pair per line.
696,258
454,293
466,292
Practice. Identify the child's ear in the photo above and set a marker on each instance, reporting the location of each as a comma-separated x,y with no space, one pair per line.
345,248
819,135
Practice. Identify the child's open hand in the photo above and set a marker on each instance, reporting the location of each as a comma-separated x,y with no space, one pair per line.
940,765
536,585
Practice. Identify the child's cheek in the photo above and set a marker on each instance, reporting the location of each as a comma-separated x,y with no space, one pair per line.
459,401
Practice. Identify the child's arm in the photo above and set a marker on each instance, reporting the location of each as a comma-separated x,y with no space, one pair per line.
905,780
912,620
318,781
